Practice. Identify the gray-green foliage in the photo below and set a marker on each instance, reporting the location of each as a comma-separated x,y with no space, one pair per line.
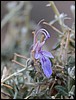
30,84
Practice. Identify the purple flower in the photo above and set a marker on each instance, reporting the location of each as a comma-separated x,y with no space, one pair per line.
41,31
42,55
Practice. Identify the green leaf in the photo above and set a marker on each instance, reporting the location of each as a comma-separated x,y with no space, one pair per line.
62,90
72,91
11,92
71,61
20,80
72,44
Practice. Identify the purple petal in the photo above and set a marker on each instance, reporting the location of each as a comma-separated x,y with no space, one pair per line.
47,54
37,55
41,44
47,35
35,46
46,66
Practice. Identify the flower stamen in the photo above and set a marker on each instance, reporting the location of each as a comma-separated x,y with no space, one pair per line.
42,38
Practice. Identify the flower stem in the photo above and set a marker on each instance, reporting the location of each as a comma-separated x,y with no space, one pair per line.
53,28
20,56
55,11
54,8
18,63
13,75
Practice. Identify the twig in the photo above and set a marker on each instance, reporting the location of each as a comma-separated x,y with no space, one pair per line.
20,56
56,12
53,84
67,41
62,47
27,96
66,46
36,83
14,74
6,95
38,94
54,8
18,63
60,66
71,40
53,27
16,92
7,86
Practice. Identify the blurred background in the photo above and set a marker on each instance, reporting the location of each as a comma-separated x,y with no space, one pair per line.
20,18
40,11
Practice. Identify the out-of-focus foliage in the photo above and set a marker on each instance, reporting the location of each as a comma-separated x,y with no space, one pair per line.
26,83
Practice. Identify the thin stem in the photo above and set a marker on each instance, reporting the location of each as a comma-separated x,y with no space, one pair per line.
20,56
59,66
55,11
5,95
72,40
18,63
62,47
27,96
16,92
53,28
6,85
37,94
14,74
66,46
53,84
67,41
54,8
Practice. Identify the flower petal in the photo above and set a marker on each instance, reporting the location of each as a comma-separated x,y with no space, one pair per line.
46,66
41,44
35,46
47,54
45,32
37,55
